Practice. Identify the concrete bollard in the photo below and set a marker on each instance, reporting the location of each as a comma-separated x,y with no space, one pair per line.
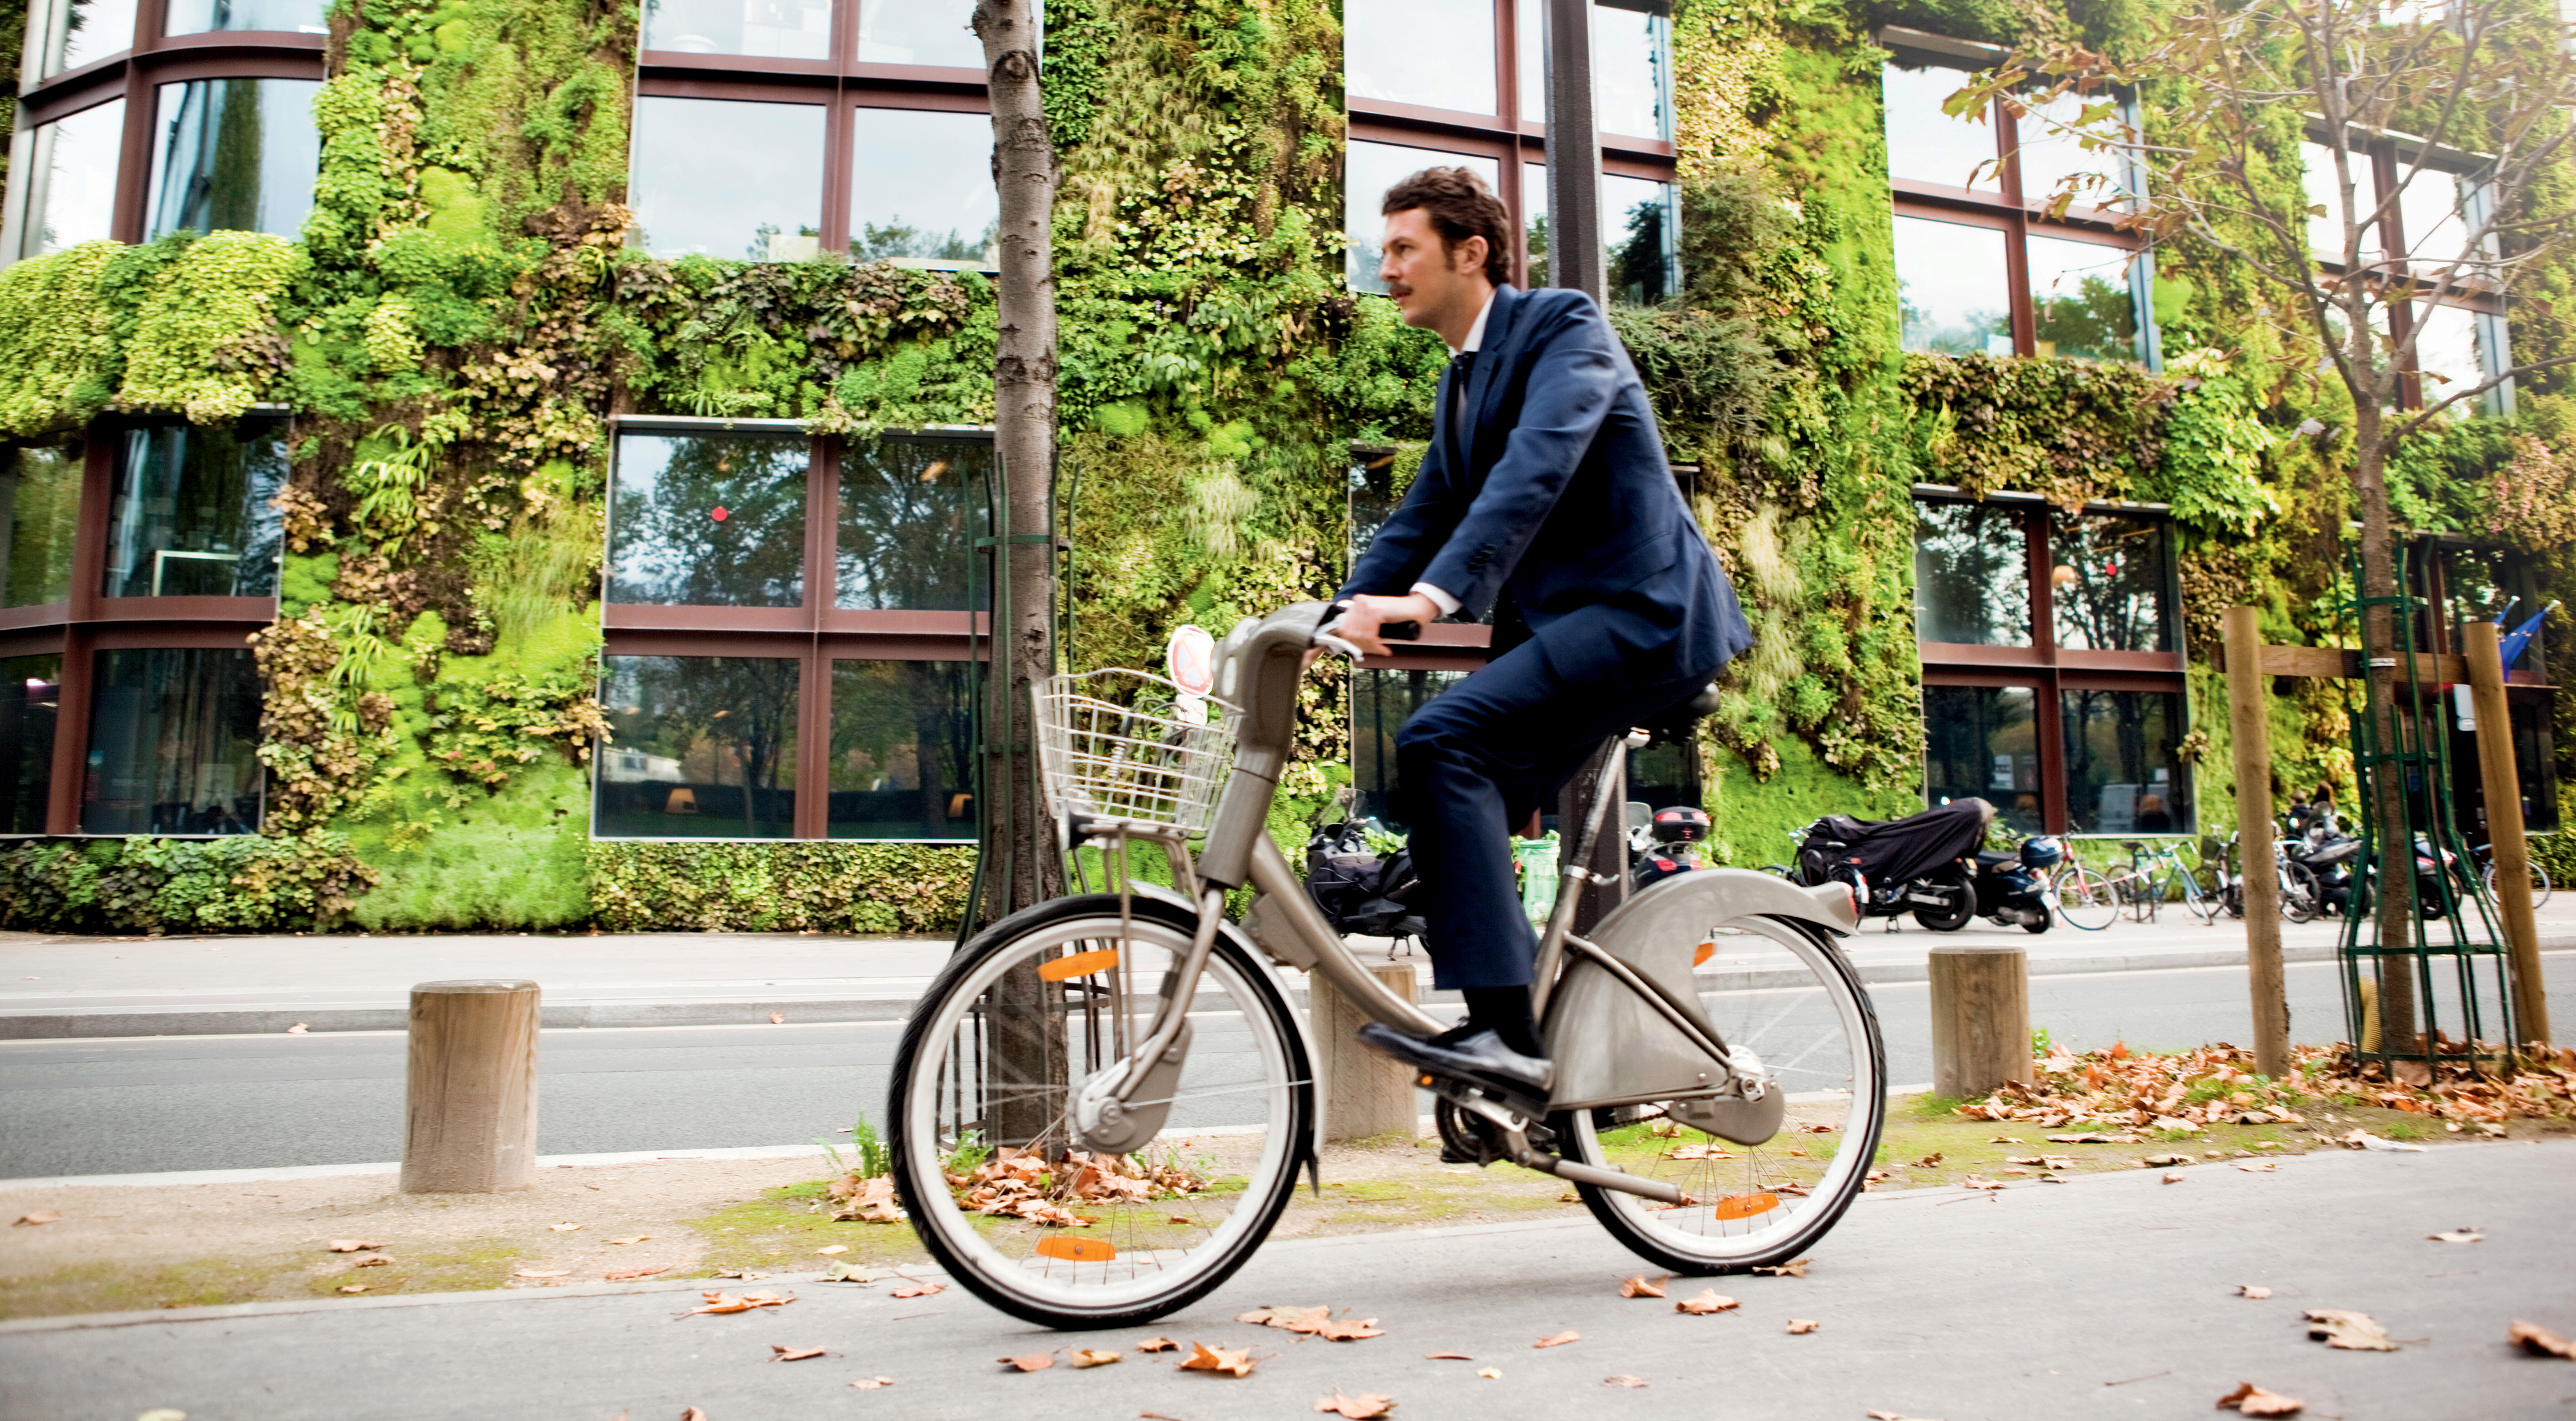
470,1100
1980,1019
1365,1094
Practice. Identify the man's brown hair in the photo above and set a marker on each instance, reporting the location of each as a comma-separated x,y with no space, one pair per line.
1459,206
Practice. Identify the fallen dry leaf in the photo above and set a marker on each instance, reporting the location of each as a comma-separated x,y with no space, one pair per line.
2538,1341
1893,1416
40,1216
693,1414
1357,1408
2252,1290
1288,1319
543,1273
1088,1357
831,1248
298,1029
2175,1178
777,1019
1034,1362
629,1275
2351,1331
2266,1167
381,1260
2005,1140
1989,1184
1178,1219
1559,1339
843,1271
2456,1236
717,1302
1623,1379
563,1228
2252,1400
2089,1137
917,1290
1931,1160
1639,1287
1491,1374
793,1354
872,1383
1446,1357
1708,1301
352,1245
1794,1268
1158,1344
1801,1326
355,1288
1204,1358
1343,1329
639,1238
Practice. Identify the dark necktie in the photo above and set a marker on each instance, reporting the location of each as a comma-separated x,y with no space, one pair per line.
1461,366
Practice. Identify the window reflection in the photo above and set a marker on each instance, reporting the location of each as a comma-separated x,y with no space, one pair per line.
173,744
708,520
704,748
920,32
2108,588
195,511
921,185
2317,181
2080,301
39,517
1928,145
30,692
1381,701
2048,154
1368,170
190,17
728,178
2122,776
234,155
1956,290
78,32
1631,49
1971,574
71,179
1640,230
772,29
1435,53
1979,742
910,512
2436,235
903,737
2447,354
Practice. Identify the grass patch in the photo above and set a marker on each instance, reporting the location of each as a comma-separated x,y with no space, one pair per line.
484,1263
122,1287
780,1231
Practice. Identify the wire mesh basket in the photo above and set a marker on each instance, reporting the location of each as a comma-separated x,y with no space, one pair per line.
1145,763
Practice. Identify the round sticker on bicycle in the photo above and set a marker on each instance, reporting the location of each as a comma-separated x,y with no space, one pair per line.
1191,657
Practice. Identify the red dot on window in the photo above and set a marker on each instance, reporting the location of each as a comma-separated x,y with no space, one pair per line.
720,515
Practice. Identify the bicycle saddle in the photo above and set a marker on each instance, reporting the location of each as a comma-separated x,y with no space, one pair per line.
1676,724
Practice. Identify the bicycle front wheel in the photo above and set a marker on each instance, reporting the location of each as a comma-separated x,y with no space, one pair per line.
1756,1204
2083,899
980,1128
2537,887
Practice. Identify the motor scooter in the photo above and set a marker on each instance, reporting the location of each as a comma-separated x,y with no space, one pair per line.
2012,884
1917,864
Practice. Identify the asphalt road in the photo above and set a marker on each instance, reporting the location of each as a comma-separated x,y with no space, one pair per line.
235,1102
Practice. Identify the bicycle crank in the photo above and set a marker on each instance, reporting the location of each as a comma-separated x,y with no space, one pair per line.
1491,1114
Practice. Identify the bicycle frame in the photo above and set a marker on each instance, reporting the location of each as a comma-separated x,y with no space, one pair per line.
1628,975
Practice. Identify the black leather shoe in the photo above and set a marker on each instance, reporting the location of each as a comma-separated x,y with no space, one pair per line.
1472,1053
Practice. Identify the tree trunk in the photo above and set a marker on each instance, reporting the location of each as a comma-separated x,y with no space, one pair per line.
1021,866
2384,787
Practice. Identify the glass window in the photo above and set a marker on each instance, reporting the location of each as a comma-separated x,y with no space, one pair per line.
81,31
71,189
2534,764
2048,154
173,744
30,691
1978,742
728,178
192,17
911,510
1368,170
772,29
1381,701
1971,574
920,32
1435,53
1929,146
234,155
195,513
2429,212
708,520
39,517
921,185
1631,50
2446,353
2317,180
703,747
2108,589
2080,301
1956,289
1638,225
2122,776
903,744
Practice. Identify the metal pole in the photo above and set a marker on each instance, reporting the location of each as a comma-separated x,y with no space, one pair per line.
2505,834
2248,713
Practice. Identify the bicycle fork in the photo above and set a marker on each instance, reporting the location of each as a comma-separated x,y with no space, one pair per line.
1121,1109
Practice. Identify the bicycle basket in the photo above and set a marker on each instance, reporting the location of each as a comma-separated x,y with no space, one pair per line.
1140,763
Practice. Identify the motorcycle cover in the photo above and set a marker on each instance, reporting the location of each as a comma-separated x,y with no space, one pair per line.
1891,851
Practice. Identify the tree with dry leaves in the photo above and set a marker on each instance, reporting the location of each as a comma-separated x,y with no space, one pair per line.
2470,97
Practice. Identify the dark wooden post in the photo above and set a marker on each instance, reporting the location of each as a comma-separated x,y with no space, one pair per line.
2249,723
470,1100
2512,851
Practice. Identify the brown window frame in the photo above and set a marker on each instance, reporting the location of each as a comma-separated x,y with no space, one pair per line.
2388,157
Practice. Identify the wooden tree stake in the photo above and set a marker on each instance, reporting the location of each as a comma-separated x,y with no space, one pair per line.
1365,1094
2505,837
1980,1018
2249,722
470,1104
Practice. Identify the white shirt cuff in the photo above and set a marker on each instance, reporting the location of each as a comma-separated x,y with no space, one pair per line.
1447,604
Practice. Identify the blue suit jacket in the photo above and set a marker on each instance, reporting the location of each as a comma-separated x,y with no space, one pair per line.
1554,509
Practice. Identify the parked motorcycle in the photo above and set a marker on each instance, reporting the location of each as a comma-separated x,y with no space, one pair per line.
2012,885
1917,864
1672,845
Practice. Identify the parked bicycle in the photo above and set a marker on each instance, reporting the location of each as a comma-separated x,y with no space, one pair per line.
2156,874
2484,856
1132,1062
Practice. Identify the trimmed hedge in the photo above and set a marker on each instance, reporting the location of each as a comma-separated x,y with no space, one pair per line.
245,884
782,886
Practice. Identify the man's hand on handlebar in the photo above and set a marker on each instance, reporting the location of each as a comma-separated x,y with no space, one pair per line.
1365,620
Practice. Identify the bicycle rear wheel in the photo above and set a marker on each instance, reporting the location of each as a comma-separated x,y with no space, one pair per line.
2083,899
979,1128
2302,900
2538,886
1757,1204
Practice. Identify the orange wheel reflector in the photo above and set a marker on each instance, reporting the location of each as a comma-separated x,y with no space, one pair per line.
1081,964
1706,951
1745,1206
1076,1250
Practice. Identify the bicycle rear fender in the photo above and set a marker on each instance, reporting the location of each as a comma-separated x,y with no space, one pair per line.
1613,1048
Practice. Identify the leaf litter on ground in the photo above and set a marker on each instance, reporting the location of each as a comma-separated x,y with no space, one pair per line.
1313,1322
2251,1400
1033,1362
2459,1235
718,1302
2351,1331
2252,1290
1639,1287
1623,1379
1707,1302
2123,1090
1087,1357
1368,1407
792,1354
1559,1340
2538,1341
1227,1360
1801,1326
39,1216
1158,1344
1794,1268
872,1383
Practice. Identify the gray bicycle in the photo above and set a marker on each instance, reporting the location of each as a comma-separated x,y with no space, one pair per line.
1101,1104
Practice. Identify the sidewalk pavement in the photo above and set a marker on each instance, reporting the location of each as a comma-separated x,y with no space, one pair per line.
88,987
2114,1295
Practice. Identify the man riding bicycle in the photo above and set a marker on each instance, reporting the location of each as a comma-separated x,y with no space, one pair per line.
1544,505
